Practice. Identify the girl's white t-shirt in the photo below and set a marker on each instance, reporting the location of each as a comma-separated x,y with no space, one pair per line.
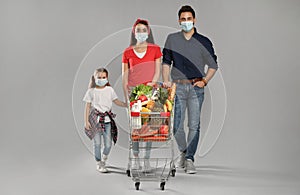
101,99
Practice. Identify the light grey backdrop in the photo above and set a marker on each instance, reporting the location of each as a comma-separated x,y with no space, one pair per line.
43,44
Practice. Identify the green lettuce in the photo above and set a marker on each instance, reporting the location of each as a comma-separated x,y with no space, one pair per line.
140,90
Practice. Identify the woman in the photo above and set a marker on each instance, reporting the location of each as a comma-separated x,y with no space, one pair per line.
141,63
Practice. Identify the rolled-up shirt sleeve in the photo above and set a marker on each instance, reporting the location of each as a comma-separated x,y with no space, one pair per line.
210,57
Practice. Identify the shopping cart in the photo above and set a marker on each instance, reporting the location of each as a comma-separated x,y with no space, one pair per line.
152,125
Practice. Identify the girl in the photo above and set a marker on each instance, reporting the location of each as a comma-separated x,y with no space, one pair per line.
141,63
98,116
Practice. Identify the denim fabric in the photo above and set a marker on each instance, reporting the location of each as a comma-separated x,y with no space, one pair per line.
136,146
106,134
188,98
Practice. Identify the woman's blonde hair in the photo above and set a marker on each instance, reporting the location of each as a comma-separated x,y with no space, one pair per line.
92,83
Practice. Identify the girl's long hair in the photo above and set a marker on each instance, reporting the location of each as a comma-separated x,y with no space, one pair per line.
150,36
92,83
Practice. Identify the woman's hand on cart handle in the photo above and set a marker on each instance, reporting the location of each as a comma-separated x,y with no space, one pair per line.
167,84
152,84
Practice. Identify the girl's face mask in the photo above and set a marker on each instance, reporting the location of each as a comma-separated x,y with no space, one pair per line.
101,82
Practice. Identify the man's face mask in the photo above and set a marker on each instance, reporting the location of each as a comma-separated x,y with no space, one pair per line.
141,37
187,26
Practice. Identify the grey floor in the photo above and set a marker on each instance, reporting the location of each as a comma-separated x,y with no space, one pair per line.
79,176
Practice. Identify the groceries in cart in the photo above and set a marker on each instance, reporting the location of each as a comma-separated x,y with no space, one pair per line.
150,108
151,121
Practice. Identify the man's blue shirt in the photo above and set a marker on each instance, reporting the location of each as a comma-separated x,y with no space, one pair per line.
189,57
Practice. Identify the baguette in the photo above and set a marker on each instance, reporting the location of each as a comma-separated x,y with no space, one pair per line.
172,92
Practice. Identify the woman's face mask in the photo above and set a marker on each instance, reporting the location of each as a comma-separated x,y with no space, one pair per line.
141,37
101,82
187,26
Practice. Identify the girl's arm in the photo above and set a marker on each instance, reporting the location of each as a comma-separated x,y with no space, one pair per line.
120,103
87,124
157,70
125,79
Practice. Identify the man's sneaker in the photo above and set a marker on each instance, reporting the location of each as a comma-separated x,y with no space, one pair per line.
135,163
181,160
189,167
101,167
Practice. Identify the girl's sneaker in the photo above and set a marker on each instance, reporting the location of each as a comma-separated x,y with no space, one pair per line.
98,165
101,167
104,157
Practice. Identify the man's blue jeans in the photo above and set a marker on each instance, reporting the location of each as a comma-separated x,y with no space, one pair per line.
188,98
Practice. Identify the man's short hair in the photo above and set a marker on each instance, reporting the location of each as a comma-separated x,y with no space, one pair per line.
186,8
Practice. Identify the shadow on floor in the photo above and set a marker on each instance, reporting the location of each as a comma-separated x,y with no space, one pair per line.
223,171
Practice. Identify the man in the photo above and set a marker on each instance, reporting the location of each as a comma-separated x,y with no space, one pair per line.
185,55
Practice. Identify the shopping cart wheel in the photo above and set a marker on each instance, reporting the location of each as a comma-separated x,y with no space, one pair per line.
173,172
128,172
162,185
137,185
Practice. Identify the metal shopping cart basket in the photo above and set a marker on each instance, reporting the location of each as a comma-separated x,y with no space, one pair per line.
151,150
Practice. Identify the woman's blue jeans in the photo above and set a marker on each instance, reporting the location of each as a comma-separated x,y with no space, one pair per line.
136,146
